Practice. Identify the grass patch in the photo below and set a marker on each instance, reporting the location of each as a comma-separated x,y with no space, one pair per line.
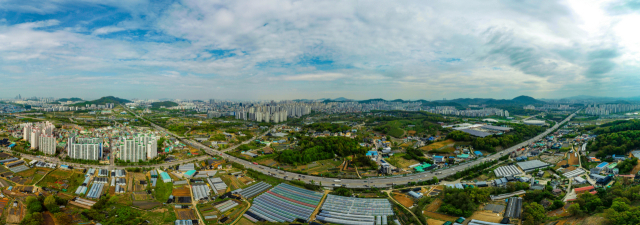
438,145
399,161
163,190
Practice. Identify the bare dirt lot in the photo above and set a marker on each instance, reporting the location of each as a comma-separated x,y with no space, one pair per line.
403,199
573,159
434,206
434,222
440,216
487,216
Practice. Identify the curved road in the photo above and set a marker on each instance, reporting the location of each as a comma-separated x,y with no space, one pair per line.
381,182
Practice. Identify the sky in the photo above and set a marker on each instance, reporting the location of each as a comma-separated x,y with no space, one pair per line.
300,49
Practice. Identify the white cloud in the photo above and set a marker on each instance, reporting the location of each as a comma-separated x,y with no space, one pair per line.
107,30
350,47
312,77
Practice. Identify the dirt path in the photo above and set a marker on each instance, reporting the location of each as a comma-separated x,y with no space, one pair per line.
315,212
48,218
391,198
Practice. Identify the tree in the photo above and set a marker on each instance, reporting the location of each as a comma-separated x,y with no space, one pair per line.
557,204
32,219
575,210
534,213
33,204
50,204
342,191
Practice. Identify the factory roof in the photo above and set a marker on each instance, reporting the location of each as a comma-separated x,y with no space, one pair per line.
476,133
532,165
498,128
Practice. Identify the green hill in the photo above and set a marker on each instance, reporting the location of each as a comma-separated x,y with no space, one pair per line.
74,99
167,104
104,100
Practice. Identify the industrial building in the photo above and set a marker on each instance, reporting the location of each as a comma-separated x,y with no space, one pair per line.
504,171
532,165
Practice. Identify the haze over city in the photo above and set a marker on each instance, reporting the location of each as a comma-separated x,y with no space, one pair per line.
311,50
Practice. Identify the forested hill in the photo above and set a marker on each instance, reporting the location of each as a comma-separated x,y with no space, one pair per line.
618,137
617,126
104,100
166,104
314,149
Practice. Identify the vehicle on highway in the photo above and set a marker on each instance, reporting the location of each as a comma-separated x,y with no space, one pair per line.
336,180
255,163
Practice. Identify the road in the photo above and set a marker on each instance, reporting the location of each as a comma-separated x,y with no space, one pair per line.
381,182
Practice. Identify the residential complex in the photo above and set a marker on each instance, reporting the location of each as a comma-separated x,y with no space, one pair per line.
606,109
85,148
139,147
40,136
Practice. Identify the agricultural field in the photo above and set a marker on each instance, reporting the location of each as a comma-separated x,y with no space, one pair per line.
403,199
186,214
486,215
33,174
162,191
320,167
63,179
163,215
440,146
397,160
244,221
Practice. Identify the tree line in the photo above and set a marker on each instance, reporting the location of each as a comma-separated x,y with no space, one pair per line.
518,134
615,143
314,149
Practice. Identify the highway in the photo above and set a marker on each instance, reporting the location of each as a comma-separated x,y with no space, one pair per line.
382,182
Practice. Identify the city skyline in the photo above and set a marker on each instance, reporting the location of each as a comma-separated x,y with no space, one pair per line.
283,50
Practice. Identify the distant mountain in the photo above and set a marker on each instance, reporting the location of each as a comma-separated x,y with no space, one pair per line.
166,104
341,99
74,99
520,100
104,100
523,99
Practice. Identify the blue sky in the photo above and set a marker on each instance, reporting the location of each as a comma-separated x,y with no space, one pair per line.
285,49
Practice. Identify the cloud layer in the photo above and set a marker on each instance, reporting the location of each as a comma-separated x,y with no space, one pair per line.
285,49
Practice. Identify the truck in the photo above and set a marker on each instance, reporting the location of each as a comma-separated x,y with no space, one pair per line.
336,180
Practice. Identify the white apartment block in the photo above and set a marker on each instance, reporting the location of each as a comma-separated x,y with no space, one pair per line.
47,144
140,147
32,132
85,148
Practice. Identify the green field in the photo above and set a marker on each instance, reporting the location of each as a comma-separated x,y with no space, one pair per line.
163,190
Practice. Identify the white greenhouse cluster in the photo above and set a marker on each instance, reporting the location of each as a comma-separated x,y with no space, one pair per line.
284,203
355,211
226,206
200,191
254,190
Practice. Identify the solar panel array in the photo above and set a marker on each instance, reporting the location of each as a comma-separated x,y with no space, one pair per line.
284,203
504,171
254,190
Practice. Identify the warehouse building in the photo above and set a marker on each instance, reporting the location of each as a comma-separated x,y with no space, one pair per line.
532,165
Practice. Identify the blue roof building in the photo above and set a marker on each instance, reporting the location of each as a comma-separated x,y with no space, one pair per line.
478,153
372,153
190,173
